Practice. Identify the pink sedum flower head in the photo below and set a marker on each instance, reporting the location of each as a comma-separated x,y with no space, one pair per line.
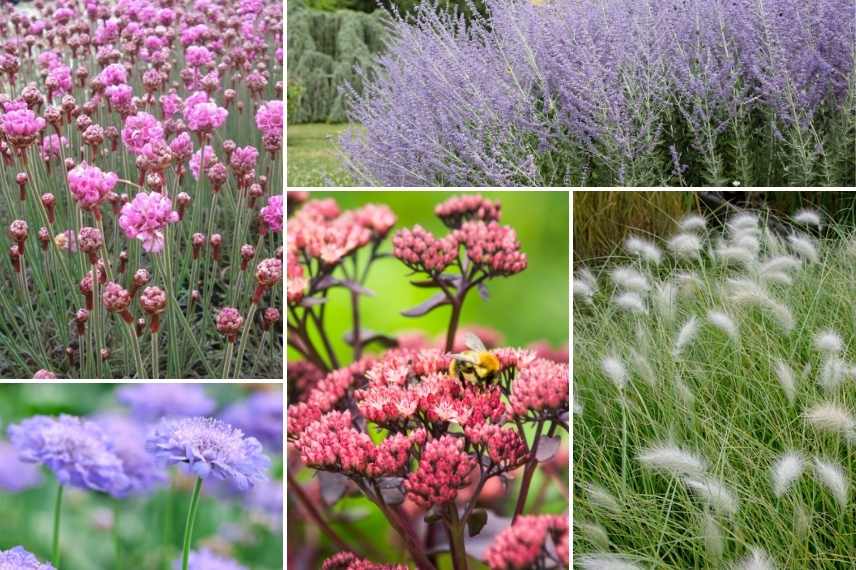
420,250
140,130
443,471
271,214
459,209
145,218
493,246
530,542
541,386
376,217
89,185
350,561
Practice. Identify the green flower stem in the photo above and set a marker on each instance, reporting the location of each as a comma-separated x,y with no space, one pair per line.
154,356
117,538
227,360
57,516
241,349
191,521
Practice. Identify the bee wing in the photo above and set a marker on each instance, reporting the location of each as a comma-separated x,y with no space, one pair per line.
474,343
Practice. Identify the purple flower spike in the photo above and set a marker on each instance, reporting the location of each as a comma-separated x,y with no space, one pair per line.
19,559
15,475
210,447
156,401
78,452
260,416
204,559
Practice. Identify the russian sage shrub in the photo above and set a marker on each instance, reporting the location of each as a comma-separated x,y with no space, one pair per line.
586,92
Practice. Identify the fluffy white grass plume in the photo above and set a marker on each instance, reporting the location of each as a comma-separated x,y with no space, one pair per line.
712,534
777,268
665,299
631,302
743,291
605,562
582,290
832,418
746,240
692,223
758,559
807,217
602,498
615,370
688,282
714,493
785,471
643,367
828,341
688,332
594,534
832,476
684,392
630,279
735,255
804,247
725,323
685,246
743,222
672,459
644,248
787,379
833,373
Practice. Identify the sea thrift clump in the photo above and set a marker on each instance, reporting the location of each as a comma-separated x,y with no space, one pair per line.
89,185
529,541
145,218
271,214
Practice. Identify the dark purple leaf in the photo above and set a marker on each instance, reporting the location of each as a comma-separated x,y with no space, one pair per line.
437,300
367,336
312,301
392,490
325,283
547,448
476,522
446,278
356,287
333,486
483,292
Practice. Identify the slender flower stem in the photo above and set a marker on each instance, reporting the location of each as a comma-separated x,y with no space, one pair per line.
154,355
529,470
313,513
243,347
56,524
191,521
455,529
117,538
135,344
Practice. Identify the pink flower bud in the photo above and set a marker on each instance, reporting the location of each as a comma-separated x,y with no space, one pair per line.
80,319
116,299
15,257
44,238
48,201
89,241
22,178
153,302
18,232
229,322
247,253
216,240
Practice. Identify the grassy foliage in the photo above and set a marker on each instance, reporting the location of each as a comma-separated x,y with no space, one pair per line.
313,156
723,399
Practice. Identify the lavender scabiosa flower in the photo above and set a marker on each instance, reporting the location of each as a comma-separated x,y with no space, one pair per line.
16,475
155,401
204,559
260,415
128,438
19,559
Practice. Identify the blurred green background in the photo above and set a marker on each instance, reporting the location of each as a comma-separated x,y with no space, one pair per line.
529,306
150,528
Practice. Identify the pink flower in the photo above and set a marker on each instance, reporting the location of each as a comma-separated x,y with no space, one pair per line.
269,118
121,96
540,386
43,374
493,246
89,185
140,130
443,470
60,77
243,160
21,127
376,217
113,74
116,299
460,209
182,147
205,116
52,146
271,214
228,322
196,161
524,543
198,56
350,561
145,217
170,103
421,251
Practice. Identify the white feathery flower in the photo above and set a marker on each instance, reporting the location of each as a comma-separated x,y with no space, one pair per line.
582,290
725,323
712,533
630,279
585,275
672,459
631,302
643,367
615,370
665,299
829,417
602,498
804,247
785,471
684,392
833,372
645,249
714,493
758,559
692,223
685,246
606,561
787,379
831,476
779,263
594,534
781,313
828,341
746,240
807,217
742,222
778,277
685,336
733,255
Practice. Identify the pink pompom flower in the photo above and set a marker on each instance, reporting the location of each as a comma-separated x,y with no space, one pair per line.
271,215
140,130
525,543
21,127
204,117
89,185
269,118
145,218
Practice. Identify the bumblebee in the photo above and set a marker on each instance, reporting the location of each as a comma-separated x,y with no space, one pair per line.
477,364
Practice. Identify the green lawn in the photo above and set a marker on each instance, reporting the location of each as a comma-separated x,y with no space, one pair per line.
313,156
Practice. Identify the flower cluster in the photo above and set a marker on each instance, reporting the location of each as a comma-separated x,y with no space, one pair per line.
350,561
204,559
444,469
542,385
493,246
153,402
145,218
455,211
531,542
421,251
90,186
19,559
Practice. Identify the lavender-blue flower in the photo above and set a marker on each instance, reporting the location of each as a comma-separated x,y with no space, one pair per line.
156,401
261,416
19,559
15,475
128,438
204,559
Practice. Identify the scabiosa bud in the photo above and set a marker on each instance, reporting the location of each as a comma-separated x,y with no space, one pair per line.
49,201
153,302
116,300
247,253
210,447
182,200
443,469
455,211
18,230
350,561
22,178
145,218
421,251
216,240
525,543
89,186
493,246
198,242
90,240
229,322
80,319
78,452
270,317
271,214
19,559
268,274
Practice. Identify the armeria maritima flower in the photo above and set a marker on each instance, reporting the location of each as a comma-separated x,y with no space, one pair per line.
145,218
78,451
19,559
350,561
140,130
204,559
229,321
271,215
270,118
116,299
210,447
155,401
153,302
531,542
21,127
89,185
